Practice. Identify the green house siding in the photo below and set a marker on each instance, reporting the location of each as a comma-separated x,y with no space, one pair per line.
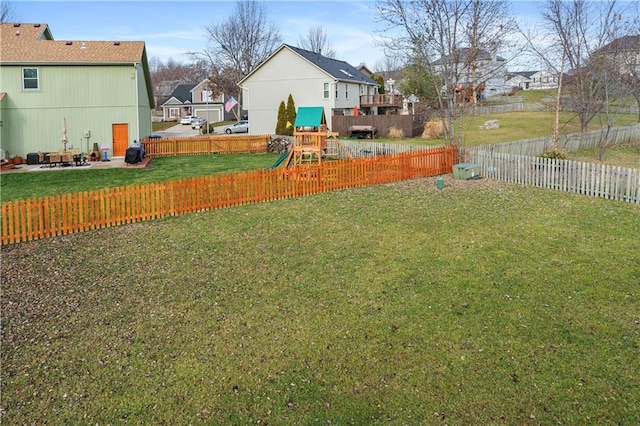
89,97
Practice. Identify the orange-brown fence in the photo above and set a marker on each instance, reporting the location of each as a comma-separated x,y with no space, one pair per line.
205,144
44,217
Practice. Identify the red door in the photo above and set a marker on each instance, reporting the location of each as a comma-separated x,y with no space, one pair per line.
120,139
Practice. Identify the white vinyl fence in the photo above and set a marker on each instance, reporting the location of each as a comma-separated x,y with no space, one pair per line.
596,180
363,148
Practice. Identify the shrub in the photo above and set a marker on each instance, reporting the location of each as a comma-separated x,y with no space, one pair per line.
395,133
290,116
556,154
433,129
281,124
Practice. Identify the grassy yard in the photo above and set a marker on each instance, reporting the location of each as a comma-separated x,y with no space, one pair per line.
481,303
627,155
514,126
19,186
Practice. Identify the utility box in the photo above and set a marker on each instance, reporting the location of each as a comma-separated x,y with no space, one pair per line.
466,171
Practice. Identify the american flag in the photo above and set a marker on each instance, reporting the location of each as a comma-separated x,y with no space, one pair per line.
230,104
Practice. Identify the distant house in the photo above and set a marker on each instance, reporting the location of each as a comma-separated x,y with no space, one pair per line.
624,52
544,79
311,79
364,70
194,99
518,80
102,89
488,70
531,80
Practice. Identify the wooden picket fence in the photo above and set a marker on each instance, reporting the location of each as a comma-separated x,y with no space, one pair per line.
44,217
592,179
205,145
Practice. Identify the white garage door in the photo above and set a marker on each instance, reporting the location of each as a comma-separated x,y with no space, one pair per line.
213,117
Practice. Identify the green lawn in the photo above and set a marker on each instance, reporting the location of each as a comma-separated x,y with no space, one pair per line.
626,155
514,126
19,186
481,303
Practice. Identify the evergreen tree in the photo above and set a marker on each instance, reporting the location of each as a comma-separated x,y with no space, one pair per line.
281,124
291,115
380,80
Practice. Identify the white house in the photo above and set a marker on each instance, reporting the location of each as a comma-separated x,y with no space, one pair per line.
310,78
531,80
488,68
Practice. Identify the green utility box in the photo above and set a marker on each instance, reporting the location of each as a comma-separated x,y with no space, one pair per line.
466,171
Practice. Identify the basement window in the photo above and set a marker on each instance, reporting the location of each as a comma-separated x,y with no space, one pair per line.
30,79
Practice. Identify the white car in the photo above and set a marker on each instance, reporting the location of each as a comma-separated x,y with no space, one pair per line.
187,119
241,126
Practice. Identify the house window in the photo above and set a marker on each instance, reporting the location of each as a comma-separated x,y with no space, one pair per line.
174,112
30,79
346,91
325,88
336,90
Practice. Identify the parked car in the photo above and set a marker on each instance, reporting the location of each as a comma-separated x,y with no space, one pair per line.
198,122
187,119
241,126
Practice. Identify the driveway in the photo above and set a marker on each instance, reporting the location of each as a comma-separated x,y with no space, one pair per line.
177,131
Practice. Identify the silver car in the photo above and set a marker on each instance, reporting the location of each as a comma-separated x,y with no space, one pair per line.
198,123
241,126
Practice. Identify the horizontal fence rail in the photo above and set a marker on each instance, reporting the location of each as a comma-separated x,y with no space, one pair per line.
205,144
44,217
596,180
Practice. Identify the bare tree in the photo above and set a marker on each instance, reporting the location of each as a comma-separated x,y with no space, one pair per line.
238,45
578,29
616,65
8,12
315,40
165,77
449,40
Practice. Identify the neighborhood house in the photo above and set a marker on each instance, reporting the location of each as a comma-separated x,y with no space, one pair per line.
195,100
87,92
311,79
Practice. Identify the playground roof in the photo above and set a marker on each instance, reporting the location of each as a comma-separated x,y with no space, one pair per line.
310,117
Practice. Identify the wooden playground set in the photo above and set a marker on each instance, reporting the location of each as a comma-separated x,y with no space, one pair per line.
313,142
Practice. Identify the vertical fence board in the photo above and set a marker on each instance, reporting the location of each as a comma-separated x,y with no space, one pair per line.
70,213
610,182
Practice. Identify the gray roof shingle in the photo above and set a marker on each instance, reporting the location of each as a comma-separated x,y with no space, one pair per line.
340,70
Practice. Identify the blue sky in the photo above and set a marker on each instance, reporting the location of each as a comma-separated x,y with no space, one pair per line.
172,28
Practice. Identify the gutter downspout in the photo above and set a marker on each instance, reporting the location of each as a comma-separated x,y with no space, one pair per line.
332,104
135,65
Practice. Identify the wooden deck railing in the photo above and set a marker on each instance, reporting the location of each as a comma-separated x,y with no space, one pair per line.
205,144
45,217
386,99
